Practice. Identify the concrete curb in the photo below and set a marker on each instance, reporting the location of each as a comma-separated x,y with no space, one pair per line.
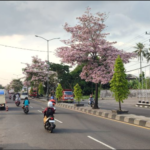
128,118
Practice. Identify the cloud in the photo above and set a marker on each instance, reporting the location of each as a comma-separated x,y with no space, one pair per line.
21,20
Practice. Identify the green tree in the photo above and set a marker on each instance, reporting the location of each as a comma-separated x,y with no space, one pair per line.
41,90
63,73
87,87
142,76
1,87
59,91
31,90
141,52
16,84
147,55
77,92
119,83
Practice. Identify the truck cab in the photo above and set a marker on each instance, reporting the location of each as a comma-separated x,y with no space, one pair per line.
2,99
67,96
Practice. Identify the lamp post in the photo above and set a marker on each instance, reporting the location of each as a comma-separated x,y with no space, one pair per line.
47,60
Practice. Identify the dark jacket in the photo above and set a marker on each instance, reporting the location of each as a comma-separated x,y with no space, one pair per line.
46,111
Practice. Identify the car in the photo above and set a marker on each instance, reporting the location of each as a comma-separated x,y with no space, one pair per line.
23,95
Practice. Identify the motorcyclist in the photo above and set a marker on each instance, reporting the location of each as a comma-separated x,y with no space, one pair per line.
14,96
26,102
49,111
17,97
52,100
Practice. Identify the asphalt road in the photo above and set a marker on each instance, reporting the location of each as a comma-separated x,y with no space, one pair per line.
74,130
130,106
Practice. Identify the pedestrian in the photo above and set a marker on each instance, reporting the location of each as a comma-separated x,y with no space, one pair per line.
91,99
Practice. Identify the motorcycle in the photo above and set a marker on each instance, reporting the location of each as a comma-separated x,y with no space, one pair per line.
50,124
10,97
17,103
25,109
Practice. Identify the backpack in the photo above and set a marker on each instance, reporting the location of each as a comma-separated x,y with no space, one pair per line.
49,112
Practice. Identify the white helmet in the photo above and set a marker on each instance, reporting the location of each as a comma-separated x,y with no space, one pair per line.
50,104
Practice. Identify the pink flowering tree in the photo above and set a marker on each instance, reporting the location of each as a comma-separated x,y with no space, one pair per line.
88,46
37,72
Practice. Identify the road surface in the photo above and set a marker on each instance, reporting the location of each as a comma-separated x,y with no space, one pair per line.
74,130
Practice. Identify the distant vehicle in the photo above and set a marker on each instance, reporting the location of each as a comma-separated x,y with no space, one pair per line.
34,94
23,95
67,96
11,91
2,99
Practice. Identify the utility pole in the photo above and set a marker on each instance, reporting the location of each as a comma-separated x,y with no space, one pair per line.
48,62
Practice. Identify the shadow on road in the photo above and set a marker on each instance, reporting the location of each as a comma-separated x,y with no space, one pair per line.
17,146
59,131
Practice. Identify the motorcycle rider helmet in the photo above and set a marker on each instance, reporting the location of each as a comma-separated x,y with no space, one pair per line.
50,104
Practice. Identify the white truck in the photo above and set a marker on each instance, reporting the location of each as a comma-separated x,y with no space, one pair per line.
2,98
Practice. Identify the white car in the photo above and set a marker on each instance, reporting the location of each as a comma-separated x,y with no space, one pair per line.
23,95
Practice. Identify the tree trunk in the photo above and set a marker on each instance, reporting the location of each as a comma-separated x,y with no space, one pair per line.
96,97
119,105
37,93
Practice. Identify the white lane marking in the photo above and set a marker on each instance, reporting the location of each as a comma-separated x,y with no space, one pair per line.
101,142
31,106
43,108
58,120
40,111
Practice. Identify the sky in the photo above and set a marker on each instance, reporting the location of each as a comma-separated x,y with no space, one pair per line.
20,21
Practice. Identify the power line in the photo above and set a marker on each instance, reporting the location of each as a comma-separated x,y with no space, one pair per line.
137,68
23,48
132,65
131,47
131,40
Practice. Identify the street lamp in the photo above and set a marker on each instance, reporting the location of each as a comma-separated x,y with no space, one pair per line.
47,60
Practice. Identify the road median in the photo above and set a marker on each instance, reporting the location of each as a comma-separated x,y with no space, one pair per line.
127,118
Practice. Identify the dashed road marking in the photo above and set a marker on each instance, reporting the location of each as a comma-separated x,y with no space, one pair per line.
58,120
101,142
40,111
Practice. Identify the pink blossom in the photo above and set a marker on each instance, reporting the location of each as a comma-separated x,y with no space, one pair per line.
87,43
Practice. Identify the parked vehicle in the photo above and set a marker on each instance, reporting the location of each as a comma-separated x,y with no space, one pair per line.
2,99
50,124
23,95
67,96
26,109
